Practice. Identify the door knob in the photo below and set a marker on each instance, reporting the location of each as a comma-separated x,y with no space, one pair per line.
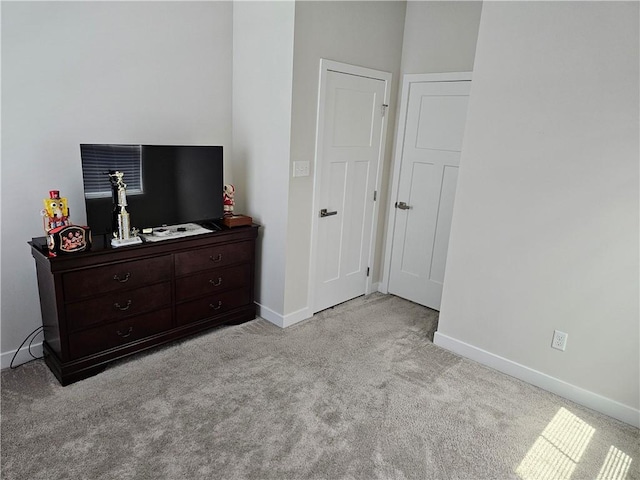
324,213
402,206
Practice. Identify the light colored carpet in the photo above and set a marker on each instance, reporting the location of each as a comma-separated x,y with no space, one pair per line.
357,392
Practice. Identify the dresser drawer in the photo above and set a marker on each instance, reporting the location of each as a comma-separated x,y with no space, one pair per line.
211,306
117,305
212,281
119,276
212,257
119,333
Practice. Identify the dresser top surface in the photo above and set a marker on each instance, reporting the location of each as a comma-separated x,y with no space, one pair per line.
102,252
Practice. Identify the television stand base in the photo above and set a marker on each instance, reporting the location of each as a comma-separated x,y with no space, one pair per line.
173,232
123,242
212,225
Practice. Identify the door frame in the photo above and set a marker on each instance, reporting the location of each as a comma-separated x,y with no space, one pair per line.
327,66
407,80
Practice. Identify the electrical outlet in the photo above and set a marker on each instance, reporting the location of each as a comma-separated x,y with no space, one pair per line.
559,341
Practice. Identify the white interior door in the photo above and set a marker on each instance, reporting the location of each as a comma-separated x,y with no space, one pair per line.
350,148
431,145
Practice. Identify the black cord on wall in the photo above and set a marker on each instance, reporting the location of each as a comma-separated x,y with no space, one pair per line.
31,337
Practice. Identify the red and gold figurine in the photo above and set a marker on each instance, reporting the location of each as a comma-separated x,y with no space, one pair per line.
62,236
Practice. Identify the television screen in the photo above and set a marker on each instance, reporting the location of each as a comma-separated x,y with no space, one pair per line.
166,184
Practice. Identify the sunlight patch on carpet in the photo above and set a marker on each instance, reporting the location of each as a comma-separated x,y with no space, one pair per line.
557,451
615,466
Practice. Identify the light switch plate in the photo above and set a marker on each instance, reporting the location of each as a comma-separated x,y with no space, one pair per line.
301,169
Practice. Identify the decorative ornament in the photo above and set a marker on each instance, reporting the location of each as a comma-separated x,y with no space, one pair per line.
228,201
230,219
56,212
69,239
62,236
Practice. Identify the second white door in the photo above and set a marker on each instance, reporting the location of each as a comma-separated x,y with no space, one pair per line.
349,155
435,115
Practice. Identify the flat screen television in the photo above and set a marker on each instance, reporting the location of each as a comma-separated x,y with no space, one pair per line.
166,184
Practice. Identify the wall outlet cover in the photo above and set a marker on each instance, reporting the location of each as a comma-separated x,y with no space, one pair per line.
559,341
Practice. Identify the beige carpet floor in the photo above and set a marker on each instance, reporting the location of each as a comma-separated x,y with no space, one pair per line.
357,392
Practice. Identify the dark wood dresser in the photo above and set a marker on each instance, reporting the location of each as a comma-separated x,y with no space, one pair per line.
107,303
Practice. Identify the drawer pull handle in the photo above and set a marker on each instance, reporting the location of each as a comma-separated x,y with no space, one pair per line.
121,308
126,334
216,284
216,307
216,259
122,279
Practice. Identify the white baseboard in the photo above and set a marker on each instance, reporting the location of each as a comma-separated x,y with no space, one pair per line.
283,321
23,355
270,315
297,316
576,394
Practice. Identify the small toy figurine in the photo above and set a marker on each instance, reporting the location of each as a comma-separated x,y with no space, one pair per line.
56,212
228,201
62,236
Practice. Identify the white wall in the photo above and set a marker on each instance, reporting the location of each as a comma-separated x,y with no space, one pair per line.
545,226
262,83
440,36
72,72
367,34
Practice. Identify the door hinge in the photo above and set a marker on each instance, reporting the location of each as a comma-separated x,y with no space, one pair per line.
367,271
384,108
375,195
